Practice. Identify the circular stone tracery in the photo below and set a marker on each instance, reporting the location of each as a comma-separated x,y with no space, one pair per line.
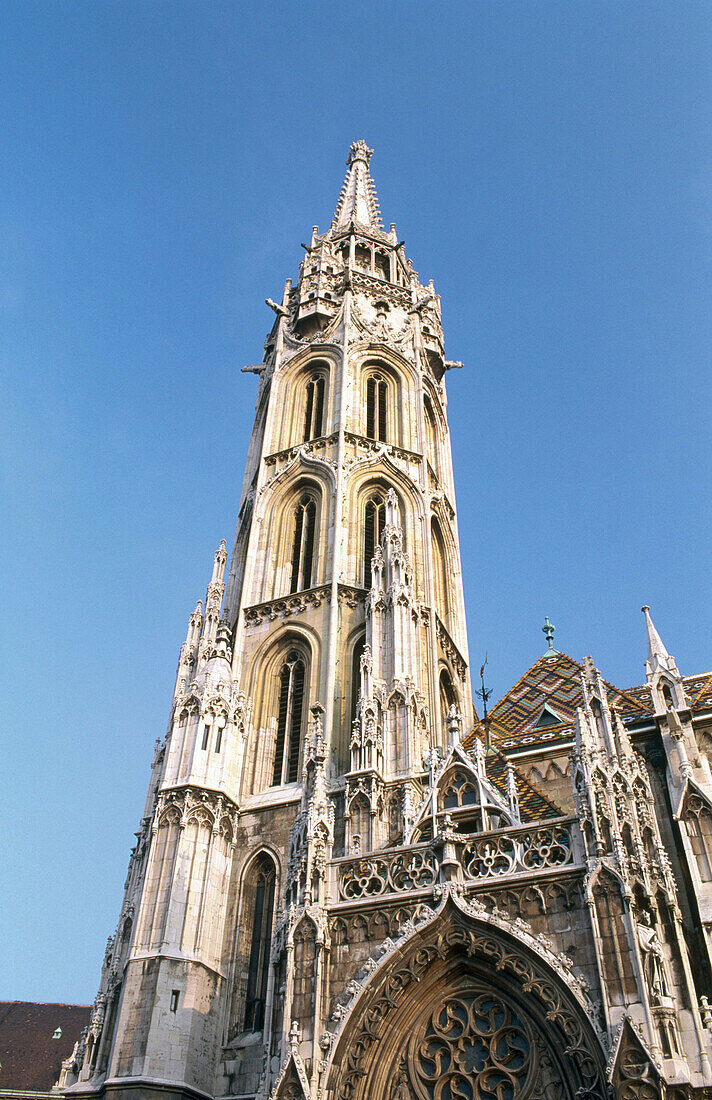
472,1047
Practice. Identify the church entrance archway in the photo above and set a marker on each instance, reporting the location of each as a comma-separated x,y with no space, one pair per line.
465,1012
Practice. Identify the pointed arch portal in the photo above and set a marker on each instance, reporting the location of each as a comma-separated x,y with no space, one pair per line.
466,1011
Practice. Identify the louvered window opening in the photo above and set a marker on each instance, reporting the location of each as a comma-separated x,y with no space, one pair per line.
374,522
258,970
376,408
314,414
289,721
303,545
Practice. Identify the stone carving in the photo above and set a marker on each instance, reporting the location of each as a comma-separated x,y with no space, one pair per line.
473,1046
368,877
438,939
287,606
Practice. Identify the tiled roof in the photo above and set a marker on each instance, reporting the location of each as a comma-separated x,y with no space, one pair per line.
553,686
698,690
30,1058
554,682
533,805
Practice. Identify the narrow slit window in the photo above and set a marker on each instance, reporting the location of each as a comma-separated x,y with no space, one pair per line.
218,739
175,997
206,737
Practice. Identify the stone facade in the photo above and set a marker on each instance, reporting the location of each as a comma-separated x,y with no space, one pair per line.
345,884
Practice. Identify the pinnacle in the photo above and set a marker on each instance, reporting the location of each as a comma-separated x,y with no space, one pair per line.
357,199
656,647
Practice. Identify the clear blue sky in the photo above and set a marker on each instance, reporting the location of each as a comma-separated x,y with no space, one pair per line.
549,164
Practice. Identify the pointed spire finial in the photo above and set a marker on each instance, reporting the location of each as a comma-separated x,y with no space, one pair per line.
655,642
357,200
658,656
548,630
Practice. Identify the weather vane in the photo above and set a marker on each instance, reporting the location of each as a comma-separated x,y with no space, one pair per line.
484,693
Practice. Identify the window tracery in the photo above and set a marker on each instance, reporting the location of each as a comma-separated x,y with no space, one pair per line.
473,1046
699,829
290,720
442,600
261,937
377,407
448,699
373,525
303,543
252,970
314,406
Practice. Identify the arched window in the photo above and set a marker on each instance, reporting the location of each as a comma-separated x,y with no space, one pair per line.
314,411
699,830
360,824
442,601
303,543
431,437
376,407
448,699
290,720
249,999
356,674
374,522
382,265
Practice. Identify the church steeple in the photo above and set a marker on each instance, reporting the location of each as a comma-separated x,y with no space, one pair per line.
309,703
357,199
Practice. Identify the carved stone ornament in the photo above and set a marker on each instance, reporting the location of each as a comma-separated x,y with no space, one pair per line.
467,1007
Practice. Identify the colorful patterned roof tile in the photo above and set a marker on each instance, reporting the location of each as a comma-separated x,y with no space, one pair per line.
698,690
552,687
533,805
526,716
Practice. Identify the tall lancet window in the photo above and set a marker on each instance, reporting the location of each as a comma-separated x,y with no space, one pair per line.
314,412
431,436
376,407
442,600
356,675
290,720
448,699
303,544
373,524
260,943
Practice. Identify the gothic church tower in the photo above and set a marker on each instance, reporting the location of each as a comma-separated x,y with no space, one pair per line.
342,889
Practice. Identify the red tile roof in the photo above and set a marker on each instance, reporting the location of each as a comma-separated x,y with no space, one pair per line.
29,1057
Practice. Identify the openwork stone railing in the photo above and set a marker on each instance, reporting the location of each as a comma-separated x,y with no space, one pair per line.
387,873
482,857
537,849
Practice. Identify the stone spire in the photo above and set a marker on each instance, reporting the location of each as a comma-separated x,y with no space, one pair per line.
357,199
658,656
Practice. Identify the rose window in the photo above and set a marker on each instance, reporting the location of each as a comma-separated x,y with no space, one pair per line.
472,1048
